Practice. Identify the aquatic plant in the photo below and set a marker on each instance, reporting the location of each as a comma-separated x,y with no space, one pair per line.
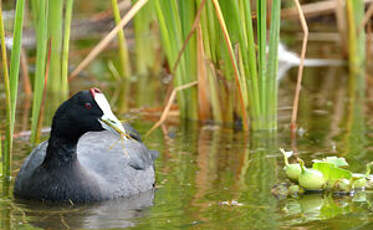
146,40
40,17
311,179
9,128
356,35
48,18
65,48
125,66
175,19
292,171
11,80
247,79
326,174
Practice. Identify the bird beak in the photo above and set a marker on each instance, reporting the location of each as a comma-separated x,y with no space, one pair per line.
112,124
108,120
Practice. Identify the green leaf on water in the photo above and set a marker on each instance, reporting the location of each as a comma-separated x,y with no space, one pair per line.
337,161
331,172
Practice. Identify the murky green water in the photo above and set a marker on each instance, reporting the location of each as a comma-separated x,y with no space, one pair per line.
213,177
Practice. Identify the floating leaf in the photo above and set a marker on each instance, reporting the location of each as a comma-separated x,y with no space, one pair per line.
337,161
331,172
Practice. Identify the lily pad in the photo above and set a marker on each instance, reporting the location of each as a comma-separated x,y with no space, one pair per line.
337,161
332,173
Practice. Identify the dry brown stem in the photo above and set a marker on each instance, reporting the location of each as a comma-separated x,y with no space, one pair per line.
194,27
108,38
300,69
233,62
203,102
190,34
366,18
25,77
169,104
341,24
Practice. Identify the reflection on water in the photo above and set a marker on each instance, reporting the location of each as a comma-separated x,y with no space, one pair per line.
213,177
109,214
314,209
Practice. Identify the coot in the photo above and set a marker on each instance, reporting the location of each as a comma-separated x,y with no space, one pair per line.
80,164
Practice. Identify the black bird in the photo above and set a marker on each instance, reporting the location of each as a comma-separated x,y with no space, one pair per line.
81,164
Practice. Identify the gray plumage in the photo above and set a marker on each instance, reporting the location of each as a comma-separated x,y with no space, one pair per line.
107,168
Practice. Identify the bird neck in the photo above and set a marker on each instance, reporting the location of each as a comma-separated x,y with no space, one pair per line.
61,151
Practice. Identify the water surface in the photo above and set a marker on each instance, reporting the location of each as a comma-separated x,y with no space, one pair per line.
216,177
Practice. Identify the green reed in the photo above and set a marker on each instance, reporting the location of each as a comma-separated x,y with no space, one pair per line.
125,66
256,77
356,35
146,42
146,50
40,10
210,35
52,27
1,157
8,110
175,19
55,22
65,49
11,80
274,40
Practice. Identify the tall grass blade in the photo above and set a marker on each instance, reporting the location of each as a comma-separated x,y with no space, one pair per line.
41,51
8,109
208,27
146,43
123,50
252,78
233,62
54,25
12,84
173,26
262,43
1,157
16,57
356,36
274,39
65,49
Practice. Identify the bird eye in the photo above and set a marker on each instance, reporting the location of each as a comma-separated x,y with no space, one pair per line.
88,105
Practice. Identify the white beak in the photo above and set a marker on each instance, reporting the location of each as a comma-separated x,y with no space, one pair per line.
108,120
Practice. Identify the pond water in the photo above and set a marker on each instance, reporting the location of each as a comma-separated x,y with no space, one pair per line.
216,177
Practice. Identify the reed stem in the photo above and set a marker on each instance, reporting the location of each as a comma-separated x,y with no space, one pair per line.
125,67
65,50
41,52
274,40
8,110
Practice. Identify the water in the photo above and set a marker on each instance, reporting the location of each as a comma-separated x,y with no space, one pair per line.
215,177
